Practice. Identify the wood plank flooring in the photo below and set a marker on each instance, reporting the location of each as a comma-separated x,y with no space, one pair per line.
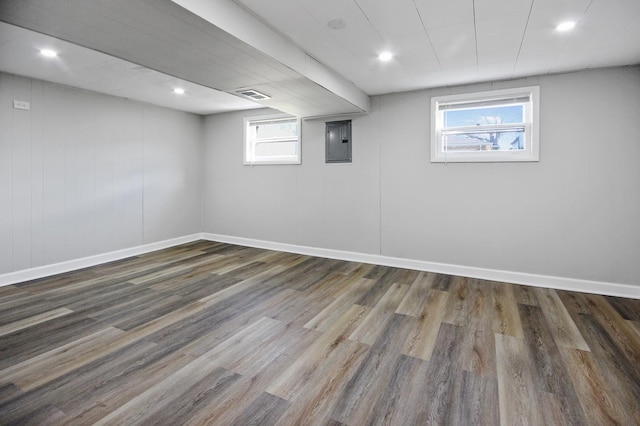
211,333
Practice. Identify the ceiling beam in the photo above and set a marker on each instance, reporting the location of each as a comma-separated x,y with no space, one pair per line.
230,51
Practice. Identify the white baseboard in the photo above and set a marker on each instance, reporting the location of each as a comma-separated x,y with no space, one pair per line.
536,280
75,264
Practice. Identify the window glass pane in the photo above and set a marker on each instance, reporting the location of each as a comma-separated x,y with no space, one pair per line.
272,140
482,116
277,129
277,149
507,140
491,126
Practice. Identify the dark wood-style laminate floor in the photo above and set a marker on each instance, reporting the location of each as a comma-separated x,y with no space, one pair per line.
211,333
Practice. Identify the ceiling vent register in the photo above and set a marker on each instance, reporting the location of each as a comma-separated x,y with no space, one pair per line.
253,94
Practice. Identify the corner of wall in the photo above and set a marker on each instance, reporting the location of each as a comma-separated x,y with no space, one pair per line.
201,164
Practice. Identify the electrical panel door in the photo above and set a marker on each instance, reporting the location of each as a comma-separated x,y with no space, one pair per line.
338,142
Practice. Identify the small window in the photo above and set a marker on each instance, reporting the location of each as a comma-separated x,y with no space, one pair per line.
272,140
500,125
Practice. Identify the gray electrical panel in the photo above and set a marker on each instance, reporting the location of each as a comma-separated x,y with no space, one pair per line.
338,142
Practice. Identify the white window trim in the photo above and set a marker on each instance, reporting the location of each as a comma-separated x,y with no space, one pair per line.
532,126
273,160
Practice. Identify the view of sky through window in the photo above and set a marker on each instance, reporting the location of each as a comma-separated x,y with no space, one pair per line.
511,114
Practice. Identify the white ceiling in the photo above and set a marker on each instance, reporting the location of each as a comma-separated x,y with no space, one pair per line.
142,49
209,48
88,69
447,42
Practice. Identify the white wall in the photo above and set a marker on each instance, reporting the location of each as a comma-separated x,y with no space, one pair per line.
335,206
84,174
572,214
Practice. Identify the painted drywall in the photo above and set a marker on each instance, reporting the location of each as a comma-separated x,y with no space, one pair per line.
83,174
335,206
572,214
569,215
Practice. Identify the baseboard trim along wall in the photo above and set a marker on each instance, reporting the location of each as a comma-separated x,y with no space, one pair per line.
535,280
85,262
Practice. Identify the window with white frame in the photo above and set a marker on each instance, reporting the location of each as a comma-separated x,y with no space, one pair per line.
500,125
272,140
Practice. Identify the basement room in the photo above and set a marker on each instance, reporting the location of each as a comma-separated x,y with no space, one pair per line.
304,212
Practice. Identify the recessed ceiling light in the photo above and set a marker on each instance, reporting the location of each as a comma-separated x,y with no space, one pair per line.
385,56
566,26
49,53
336,24
178,91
